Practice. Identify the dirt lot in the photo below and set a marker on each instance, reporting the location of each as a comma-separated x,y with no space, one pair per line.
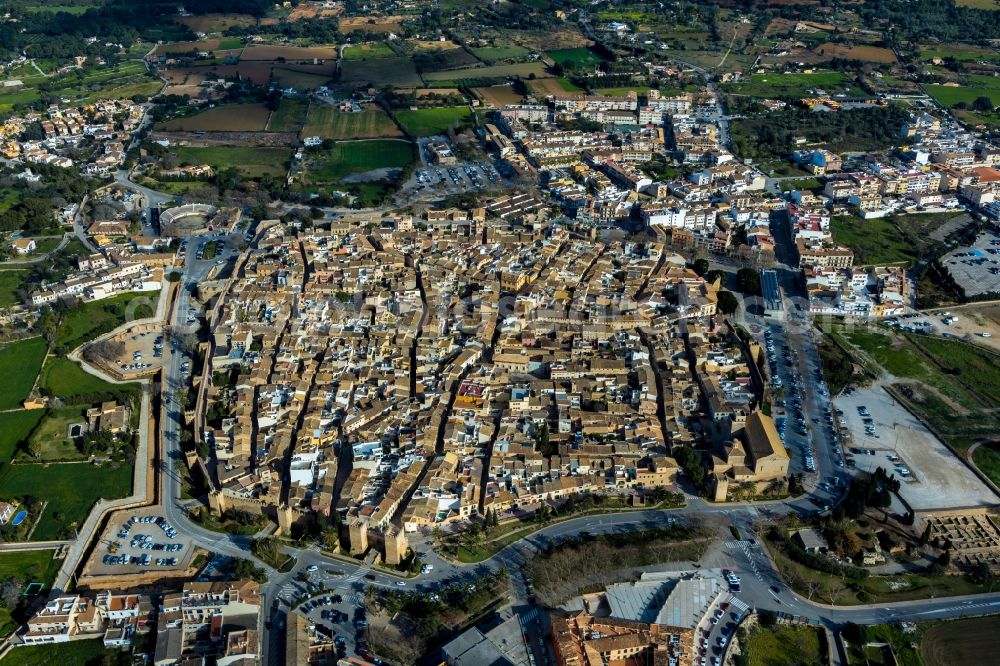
308,10
940,480
158,537
379,24
497,96
216,22
182,82
864,53
972,321
289,53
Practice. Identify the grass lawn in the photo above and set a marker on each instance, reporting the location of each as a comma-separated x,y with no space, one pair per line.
52,435
987,459
428,122
249,160
785,646
19,366
10,281
887,240
327,122
64,378
30,566
90,320
70,489
794,85
357,157
288,117
15,428
74,652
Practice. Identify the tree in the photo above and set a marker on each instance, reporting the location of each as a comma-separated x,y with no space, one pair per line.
700,266
748,281
855,634
983,104
10,591
728,303
246,570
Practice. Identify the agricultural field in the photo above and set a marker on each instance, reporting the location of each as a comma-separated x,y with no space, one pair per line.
380,72
288,117
429,122
284,77
581,58
497,96
209,45
550,86
216,22
491,54
960,641
959,52
117,81
863,53
327,122
990,5
251,161
436,56
523,70
20,363
368,51
371,23
272,52
794,85
228,118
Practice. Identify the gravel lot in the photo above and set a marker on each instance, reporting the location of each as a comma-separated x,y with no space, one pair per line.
939,481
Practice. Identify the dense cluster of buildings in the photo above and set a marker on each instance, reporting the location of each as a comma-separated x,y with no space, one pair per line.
216,621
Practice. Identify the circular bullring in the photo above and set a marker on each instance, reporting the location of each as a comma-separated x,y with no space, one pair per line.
187,220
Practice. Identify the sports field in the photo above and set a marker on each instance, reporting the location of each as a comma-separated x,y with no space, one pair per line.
19,365
228,118
429,122
251,161
327,122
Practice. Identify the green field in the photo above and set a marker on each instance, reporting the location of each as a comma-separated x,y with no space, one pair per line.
10,281
90,652
794,85
288,117
15,428
972,88
429,122
250,161
582,58
52,436
368,51
91,320
357,157
70,489
968,641
888,240
987,459
327,122
784,646
19,366
959,52
491,54
30,566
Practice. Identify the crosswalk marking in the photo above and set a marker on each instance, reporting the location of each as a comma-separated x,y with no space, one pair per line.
739,605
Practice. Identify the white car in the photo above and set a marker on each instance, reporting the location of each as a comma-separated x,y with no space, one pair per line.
311,568
400,583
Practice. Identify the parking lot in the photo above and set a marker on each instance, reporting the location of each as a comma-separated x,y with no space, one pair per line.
142,351
139,542
976,268
933,478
